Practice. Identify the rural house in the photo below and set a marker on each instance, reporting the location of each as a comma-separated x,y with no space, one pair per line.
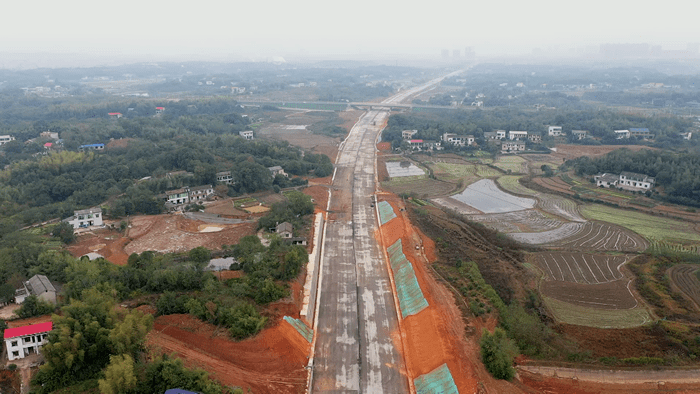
177,196
606,180
114,115
500,134
199,193
224,177
408,134
554,131
277,170
512,146
489,135
285,230
620,134
535,137
4,139
517,135
23,341
247,134
37,285
458,140
642,133
579,134
91,147
634,181
85,218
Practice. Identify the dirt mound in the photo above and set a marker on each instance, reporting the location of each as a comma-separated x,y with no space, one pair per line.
271,362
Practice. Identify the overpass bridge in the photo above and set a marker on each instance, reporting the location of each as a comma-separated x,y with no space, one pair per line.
338,106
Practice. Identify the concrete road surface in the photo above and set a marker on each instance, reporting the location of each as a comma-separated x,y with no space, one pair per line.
354,351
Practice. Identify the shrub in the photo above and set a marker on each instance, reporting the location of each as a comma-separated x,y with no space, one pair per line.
497,353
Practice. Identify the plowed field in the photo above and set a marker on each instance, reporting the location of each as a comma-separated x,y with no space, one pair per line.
603,236
607,296
580,267
685,278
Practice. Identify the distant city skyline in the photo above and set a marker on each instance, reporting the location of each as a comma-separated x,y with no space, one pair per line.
314,29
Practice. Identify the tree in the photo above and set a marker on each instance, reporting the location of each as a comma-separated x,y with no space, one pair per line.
167,372
497,353
127,337
200,255
119,375
33,306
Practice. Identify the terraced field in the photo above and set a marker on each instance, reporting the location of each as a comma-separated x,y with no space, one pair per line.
596,317
514,164
563,207
530,220
611,296
511,184
603,237
581,267
486,172
652,227
566,230
685,278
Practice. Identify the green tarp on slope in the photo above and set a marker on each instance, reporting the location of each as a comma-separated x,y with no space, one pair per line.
439,381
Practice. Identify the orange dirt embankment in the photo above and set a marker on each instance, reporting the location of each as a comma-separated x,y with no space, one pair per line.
271,362
435,335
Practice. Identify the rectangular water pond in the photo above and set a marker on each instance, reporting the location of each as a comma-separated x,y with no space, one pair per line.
485,196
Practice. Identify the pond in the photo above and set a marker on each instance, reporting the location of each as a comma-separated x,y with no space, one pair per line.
485,196
399,169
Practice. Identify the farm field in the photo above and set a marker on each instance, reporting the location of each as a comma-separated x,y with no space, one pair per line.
486,172
566,230
685,278
403,169
514,164
603,237
596,317
451,171
529,220
580,267
422,186
652,227
511,184
608,296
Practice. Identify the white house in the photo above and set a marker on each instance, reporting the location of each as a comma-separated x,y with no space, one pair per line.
408,134
517,135
535,137
606,180
199,193
247,134
277,170
4,139
579,134
634,181
86,218
177,196
500,134
224,177
687,136
458,140
620,134
554,131
23,341
512,146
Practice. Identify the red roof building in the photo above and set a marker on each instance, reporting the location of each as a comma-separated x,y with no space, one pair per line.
23,341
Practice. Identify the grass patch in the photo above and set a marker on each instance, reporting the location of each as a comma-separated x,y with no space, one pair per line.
483,171
601,318
458,171
244,201
511,184
651,227
510,163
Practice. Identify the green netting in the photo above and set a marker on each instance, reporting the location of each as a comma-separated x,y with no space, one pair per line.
439,381
411,299
386,212
302,328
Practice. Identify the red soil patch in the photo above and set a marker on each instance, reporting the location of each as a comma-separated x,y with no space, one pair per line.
321,181
271,362
28,321
108,243
223,275
320,196
384,146
620,343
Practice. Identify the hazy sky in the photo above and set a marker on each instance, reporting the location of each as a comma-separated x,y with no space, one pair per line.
314,27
